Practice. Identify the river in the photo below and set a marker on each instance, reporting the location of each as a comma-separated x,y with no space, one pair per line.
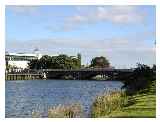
25,96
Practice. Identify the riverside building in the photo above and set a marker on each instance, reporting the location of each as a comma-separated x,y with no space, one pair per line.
20,61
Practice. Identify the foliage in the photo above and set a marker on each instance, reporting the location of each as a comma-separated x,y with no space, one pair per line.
139,105
71,111
144,107
140,79
107,103
99,62
66,62
56,62
62,111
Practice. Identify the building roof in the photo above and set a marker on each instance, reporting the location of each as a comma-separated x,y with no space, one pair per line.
22,54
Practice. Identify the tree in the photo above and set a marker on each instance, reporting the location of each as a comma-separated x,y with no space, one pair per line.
55,62
141,79
62,62
154,67
34,64
100,62
45,62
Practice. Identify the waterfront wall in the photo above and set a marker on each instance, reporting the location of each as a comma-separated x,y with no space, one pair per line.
22,76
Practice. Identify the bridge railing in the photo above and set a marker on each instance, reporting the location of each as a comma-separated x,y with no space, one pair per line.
91,69
34,71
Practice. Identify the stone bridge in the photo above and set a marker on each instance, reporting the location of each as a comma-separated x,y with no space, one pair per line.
87,74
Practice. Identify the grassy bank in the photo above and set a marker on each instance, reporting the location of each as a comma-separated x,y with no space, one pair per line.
107,103
142,104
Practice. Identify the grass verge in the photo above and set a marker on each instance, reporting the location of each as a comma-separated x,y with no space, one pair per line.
144,106
140,105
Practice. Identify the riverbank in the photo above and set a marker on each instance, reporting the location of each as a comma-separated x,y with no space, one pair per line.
144,106
140,105
110,106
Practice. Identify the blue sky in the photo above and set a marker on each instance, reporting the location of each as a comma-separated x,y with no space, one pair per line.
123,34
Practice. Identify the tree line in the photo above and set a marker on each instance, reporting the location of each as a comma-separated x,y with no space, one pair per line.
56,62
67,62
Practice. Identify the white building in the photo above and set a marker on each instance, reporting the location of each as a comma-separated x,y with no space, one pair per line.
21,60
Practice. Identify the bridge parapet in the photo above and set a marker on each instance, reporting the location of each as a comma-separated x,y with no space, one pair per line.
83,70
86,73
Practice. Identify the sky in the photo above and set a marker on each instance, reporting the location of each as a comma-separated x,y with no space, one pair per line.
125,35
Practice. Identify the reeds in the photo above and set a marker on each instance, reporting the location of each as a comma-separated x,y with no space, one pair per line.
103,105
107,103
63,111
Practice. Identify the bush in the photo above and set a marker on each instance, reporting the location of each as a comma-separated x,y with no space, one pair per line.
141,79
62,111
107,103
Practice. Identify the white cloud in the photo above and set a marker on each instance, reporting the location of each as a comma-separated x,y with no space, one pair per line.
24,10
115,14
111,14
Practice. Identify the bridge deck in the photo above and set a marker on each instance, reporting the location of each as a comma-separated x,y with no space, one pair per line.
85,70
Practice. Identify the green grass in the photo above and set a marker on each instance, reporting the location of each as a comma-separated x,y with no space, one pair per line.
140,105
144,106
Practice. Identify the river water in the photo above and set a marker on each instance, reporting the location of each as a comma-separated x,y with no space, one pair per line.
25,96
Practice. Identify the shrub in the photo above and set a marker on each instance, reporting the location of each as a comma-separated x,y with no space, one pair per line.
141,79
107,103
62,111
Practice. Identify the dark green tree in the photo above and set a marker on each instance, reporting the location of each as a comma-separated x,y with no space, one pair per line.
154,67
45,62
100,62
140,80
55,62
34,64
